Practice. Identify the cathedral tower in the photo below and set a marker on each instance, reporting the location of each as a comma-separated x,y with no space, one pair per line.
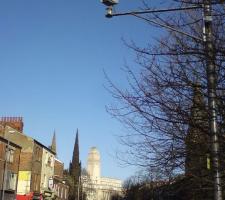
94,164
198,162
197,139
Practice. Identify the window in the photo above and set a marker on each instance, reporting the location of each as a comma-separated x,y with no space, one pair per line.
11,181
62,192
45,181
65,194
36,182
38,153
9,155
2,150
50,161
46,158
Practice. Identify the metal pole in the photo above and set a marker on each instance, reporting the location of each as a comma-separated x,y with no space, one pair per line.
211,84
5,170
78,189
153,11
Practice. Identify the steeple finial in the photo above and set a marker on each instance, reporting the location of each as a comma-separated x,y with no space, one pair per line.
53,146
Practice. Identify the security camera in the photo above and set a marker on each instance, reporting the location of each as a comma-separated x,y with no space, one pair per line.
110,2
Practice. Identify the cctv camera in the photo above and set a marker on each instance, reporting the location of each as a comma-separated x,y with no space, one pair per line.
109,2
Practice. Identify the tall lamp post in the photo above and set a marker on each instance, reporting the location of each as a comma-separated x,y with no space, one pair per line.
206,6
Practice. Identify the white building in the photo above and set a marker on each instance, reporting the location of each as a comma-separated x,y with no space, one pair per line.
47,169
95,186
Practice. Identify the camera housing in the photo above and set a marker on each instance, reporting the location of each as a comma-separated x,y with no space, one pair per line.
110,2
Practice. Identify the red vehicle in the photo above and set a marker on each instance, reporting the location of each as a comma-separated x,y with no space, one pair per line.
29,196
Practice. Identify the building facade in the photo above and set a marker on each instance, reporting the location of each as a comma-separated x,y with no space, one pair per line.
36,160
38,171
9,168
96,187
29,178
47,169
60,188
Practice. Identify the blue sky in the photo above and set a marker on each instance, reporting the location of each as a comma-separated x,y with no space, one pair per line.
52,57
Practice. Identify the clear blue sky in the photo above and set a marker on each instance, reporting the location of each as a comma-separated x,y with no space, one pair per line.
52,56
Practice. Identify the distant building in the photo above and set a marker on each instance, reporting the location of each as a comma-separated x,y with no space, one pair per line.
47,170
9,168
96,187
60,188
36,162
198,160
37,170
58,168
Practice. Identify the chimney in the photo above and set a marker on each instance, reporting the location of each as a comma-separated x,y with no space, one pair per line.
14,122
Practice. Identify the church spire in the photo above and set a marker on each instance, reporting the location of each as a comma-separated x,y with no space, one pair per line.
76,150
53,145
75,165
75,169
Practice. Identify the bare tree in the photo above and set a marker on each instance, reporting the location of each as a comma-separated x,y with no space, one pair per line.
157,107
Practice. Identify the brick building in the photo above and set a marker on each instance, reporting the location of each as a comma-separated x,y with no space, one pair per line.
9,168
60,188
58,169
30,160
37,166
